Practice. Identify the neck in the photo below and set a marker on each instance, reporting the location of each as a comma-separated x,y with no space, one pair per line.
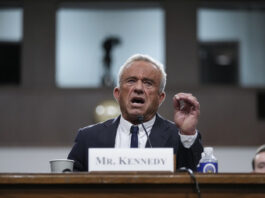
136,120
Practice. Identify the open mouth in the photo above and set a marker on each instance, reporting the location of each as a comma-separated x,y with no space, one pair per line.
137,100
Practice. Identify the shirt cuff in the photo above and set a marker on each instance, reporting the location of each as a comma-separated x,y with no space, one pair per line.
188,140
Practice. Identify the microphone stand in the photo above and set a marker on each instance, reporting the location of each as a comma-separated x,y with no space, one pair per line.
141,120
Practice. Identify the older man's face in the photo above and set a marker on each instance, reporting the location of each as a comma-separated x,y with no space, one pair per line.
260,163
138,93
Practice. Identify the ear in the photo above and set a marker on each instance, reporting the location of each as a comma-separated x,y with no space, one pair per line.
116,93
162,97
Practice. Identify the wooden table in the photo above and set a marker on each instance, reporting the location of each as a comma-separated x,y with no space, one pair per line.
136,185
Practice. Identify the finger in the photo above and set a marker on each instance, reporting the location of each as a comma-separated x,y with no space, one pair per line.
180,101
183,96
176,103
189,100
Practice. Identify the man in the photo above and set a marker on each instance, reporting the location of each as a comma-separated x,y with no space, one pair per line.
258,162
140,92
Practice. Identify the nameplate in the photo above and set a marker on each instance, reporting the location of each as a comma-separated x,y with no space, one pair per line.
131,159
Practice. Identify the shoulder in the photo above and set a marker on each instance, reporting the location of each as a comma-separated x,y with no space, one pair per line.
166,128
166,123
97,128
97,125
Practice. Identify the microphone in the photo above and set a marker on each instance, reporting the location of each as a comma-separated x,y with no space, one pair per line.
140,118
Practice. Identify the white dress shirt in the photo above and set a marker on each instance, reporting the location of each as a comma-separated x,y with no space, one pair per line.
123,136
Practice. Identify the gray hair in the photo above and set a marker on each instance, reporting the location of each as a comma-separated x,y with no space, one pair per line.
261,149
142,57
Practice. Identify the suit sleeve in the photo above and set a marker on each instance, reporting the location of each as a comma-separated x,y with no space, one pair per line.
189,158
79,153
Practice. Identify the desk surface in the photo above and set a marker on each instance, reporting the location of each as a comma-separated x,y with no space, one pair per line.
153,185
130,178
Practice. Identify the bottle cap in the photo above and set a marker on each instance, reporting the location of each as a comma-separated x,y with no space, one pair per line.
208,150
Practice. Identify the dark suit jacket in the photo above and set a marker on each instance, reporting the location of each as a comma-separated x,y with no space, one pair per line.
164,133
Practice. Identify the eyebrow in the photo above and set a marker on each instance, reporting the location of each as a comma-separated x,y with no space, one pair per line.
144,79
261,164
148,79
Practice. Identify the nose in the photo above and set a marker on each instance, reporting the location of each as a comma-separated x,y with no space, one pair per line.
139,88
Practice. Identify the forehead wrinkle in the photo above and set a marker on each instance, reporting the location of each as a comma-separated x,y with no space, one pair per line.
145,72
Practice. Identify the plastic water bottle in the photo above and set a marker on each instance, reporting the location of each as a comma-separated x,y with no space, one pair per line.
208,162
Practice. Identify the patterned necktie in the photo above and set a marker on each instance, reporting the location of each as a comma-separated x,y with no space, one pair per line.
134,138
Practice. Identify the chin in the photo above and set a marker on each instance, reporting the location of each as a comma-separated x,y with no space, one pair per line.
134,114
138,113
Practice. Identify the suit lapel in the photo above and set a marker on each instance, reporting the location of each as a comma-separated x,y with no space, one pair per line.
111,131
158,135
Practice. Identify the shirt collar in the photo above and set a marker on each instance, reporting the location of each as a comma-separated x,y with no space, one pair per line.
126,125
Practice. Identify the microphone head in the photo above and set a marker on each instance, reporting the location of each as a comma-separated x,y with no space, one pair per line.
140,118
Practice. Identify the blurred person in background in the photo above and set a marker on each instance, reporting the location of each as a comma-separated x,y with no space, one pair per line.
258,162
